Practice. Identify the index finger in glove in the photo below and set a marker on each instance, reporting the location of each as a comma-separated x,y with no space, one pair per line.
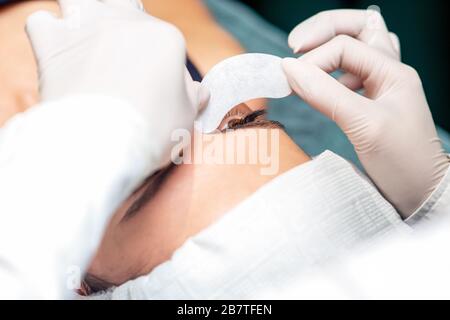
366,25
42,27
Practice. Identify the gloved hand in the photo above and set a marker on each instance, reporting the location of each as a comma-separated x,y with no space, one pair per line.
391,126
113,48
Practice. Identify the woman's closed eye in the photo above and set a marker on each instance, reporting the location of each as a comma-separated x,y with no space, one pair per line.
234,115
242,117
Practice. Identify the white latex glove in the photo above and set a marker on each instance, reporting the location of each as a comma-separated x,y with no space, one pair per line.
367,26
113,48
391,127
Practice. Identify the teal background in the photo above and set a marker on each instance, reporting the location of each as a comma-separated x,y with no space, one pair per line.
421,25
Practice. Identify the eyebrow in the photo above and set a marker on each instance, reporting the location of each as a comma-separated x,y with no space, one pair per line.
153,183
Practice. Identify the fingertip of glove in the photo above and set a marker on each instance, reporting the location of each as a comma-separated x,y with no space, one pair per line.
38,17
295,42
38,21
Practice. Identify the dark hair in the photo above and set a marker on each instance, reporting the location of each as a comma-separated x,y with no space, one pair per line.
92,284
256,119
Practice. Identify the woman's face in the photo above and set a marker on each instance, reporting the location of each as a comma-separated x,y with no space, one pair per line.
183,200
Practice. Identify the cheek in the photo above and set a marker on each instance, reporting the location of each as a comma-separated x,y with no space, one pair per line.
121,255
132,245
114,259
135,246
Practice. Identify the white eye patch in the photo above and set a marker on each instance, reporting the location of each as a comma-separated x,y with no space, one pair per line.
239,79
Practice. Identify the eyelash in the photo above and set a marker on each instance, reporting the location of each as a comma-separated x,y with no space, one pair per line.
235,113
245,119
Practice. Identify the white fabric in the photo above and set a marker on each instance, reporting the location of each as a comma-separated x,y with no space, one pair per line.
408,267
413,266
64,169
298,222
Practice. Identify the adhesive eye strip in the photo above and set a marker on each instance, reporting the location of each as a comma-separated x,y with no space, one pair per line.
239,79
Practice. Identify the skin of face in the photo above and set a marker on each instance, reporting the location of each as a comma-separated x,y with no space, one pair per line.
191,198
